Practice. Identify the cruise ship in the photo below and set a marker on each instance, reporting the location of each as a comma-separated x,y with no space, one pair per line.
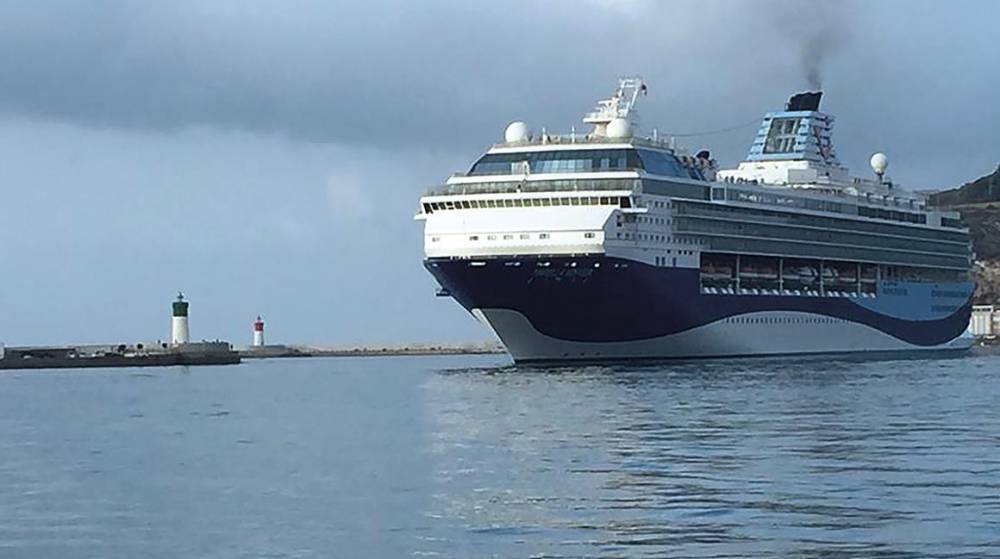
614,245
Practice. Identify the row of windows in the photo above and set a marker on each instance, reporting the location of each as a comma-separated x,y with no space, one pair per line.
666,164
784,320
654,220
508,237
789,218
785,200
511,237
547,264
720,269
892,215
519,186
952,223
828,293
770,266
656,239
675,189
619,201
715,225
775,199
833,252
911,273
582,161
562,161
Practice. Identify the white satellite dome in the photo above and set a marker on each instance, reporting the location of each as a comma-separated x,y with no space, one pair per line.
879,163
619,128
516,131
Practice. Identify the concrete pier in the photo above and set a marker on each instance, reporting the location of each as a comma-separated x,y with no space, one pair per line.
118,355
275,350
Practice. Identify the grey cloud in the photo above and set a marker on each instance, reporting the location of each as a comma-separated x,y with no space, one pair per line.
380,72
311,70
450,74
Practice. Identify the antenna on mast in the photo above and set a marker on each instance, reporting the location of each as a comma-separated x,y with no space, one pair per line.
620,106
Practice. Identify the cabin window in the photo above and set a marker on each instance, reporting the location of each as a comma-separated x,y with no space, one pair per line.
665,164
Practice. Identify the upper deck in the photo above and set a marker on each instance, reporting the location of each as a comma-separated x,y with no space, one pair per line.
791,167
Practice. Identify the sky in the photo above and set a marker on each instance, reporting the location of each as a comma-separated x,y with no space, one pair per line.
266,157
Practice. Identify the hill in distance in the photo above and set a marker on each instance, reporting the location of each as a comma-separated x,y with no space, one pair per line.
979,204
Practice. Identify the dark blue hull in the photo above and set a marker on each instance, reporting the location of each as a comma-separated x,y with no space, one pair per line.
610,303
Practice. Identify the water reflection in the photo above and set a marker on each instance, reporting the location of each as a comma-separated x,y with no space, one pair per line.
831,458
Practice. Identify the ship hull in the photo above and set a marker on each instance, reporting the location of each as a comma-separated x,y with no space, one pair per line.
604,308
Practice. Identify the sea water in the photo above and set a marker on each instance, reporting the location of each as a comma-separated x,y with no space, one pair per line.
469,456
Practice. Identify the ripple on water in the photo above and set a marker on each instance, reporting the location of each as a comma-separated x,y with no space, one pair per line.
814,458
735,459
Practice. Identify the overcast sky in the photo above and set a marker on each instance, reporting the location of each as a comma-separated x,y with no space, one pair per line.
267,156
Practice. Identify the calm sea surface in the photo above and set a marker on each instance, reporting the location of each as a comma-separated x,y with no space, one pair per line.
470,457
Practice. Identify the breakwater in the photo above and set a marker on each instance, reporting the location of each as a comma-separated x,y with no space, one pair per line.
118,355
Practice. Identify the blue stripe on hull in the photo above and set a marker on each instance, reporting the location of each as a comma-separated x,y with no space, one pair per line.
603,299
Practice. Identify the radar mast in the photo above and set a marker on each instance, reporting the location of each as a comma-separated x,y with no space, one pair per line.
621,105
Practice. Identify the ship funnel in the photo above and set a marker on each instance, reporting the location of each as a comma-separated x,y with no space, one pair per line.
808,101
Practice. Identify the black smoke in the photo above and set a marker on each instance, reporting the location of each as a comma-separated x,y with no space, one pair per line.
815,31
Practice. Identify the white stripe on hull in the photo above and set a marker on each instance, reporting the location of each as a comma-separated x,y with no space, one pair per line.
769,333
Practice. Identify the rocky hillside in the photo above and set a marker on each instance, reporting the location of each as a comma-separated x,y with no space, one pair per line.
983,190
987,282
979,203
984,226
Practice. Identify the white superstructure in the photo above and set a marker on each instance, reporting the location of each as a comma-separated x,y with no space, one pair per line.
562,208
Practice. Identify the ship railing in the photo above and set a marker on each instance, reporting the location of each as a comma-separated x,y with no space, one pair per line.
902,200
519,187
576,138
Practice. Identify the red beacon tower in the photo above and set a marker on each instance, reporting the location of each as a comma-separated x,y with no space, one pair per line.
258,332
